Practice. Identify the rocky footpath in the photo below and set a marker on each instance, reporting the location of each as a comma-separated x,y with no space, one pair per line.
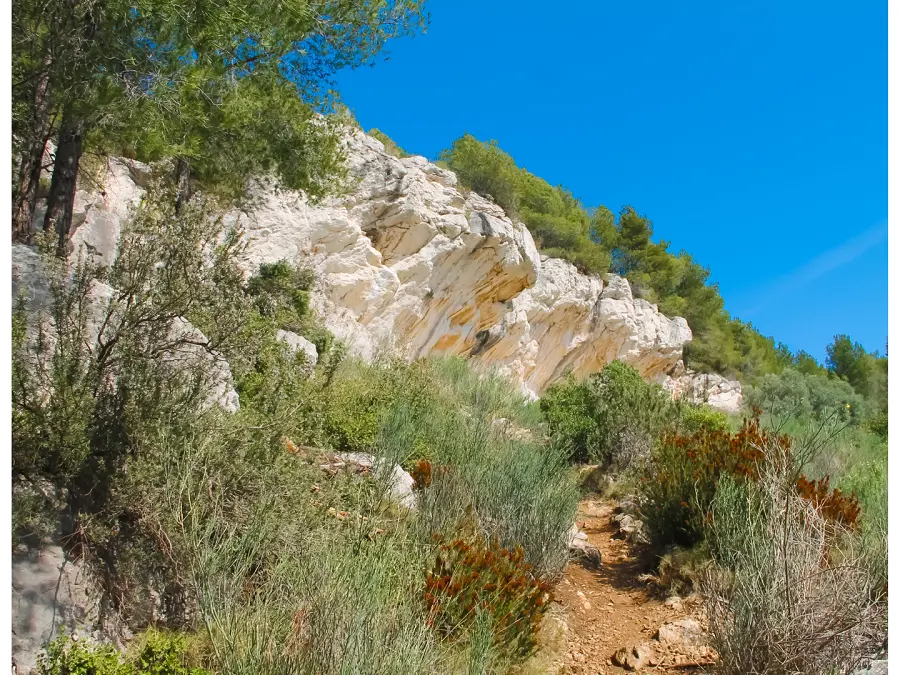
407,261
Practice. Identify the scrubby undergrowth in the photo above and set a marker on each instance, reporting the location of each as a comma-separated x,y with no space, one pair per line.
226,526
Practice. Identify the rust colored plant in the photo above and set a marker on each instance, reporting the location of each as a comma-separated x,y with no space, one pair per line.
470,576
835,506
683,478
421,474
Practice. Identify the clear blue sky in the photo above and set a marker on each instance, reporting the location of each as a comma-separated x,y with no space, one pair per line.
753,134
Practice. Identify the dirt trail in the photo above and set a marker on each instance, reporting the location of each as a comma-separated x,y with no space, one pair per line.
609,607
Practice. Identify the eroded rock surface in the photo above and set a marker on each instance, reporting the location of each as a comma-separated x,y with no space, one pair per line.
711,389
407,261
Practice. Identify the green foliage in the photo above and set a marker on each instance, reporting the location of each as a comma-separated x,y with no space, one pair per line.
868,480
359,396
560,225
390,146
794,393
281,292
229,131
506,485
610,417
694,418
472,581
866,373
67,657
158,654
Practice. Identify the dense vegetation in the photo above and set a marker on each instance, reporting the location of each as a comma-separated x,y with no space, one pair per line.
780,516
246,527
275,538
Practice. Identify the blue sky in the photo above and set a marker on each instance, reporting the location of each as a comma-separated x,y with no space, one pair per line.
753,134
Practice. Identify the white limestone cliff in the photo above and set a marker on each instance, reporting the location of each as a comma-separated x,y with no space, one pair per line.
409,262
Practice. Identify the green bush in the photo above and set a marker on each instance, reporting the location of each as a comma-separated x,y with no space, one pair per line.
800,395
157,654
280,291
611,417
559,224
693,418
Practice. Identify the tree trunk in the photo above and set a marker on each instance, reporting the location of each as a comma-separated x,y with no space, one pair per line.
182,183
61,200
32,160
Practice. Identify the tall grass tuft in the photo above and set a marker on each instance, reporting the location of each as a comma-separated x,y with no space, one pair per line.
791,591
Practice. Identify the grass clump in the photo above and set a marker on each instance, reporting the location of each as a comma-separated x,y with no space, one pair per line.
790,592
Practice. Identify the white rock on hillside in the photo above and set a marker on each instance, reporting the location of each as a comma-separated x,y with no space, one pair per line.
408,262
298,343
714,390
50,597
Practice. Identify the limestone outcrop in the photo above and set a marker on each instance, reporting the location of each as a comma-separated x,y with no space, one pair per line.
711,389
407,261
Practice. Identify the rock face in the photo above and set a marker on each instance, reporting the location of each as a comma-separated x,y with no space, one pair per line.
714,390
50,597
298,343
408,262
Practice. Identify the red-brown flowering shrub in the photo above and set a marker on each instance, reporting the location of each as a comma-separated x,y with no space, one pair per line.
682,478
836,506
471,576
421,474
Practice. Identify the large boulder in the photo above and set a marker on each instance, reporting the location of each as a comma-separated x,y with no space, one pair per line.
51,596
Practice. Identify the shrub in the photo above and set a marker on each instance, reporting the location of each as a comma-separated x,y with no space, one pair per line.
281,292
801,395
519,492
68,657
390,146
612,417
157,654
559,224
868,480
680,482
693,418
790,593
470,579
